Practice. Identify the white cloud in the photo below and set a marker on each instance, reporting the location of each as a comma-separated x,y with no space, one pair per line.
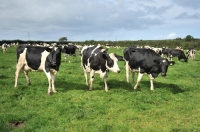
171,36
96,19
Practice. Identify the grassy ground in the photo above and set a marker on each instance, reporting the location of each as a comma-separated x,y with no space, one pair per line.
172,106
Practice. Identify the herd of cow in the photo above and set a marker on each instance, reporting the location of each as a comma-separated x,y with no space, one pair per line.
95,59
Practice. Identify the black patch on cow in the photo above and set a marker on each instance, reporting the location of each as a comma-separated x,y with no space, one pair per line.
110,62
69,49
33,56
97,61
53,60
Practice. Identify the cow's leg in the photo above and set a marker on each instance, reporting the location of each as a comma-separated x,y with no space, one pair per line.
105,81
68,58
91,78
151,82
140,75
85,74
127,71
49,88
65,56
18,69
27,77
133,76
53,78
48,74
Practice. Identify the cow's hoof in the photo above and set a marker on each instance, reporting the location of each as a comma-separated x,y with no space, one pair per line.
49,93
54,91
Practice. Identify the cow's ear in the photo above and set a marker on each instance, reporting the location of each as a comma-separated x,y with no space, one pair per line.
171,63
120,58
132,50
48,49
104,56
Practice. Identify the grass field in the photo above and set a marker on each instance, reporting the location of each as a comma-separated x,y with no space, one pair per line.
172,107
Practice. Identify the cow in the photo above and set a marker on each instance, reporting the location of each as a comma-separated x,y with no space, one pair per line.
95,59
31,58
4,47
191,53
144,61
70,50
165,51
179,53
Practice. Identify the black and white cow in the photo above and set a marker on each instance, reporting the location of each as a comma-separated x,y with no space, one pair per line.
144,61
4,47
165,51
96,60
179,53
70,50
191,53
43,59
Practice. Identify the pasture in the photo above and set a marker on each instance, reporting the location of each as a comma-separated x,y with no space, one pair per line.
172,106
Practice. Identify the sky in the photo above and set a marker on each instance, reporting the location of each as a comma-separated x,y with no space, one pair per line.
108,20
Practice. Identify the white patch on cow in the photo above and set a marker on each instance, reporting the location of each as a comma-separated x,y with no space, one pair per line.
115,67
164,60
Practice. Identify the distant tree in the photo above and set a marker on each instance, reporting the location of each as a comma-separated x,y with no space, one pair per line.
189,38
63,39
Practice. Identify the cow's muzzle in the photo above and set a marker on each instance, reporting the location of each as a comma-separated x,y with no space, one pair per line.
163,74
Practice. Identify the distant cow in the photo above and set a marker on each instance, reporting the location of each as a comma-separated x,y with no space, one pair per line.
96,60
4,47
165,51
144,61
70,50
179,53
43,59
191,53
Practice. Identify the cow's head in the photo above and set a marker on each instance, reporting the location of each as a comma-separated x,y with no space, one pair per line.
111,62
54,58
164,63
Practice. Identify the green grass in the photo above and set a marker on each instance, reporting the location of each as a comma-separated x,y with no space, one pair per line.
172,106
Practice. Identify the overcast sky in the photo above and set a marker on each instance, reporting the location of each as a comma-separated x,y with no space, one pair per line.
114,20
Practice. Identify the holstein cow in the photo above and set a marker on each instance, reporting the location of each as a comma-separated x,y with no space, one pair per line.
43,59
4,47
70,50
144,61
191,53
179,53
96,60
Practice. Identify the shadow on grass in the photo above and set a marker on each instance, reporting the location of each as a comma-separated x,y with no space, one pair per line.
64,86
159,85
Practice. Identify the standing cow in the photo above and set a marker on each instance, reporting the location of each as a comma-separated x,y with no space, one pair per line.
191,53
43,59
4,47
70,50
96,60
144,61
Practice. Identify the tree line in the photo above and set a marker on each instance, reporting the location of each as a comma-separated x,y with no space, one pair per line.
185,43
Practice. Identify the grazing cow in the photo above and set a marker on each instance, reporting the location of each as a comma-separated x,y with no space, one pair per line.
43,59
179,53
70,50
144,61
96,60
4,47
191,54
165,51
